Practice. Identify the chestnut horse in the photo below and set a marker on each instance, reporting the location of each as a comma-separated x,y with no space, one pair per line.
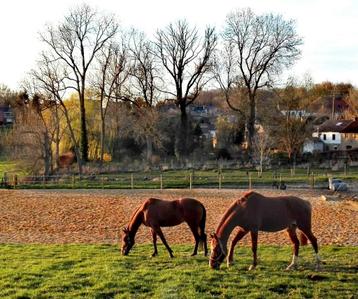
157,213
254,212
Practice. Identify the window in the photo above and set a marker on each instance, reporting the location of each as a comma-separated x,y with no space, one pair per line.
333,136
324,137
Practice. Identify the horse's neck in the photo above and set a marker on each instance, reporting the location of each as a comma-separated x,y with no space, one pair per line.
227,226
136,222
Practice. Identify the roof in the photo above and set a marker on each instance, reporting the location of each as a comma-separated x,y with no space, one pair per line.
339,126
352,127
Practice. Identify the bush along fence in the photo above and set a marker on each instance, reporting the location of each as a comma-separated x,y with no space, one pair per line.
167,180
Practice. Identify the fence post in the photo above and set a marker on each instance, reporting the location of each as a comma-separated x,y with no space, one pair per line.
132,181
102,182
161,182
190,181
220,180
73,181
5,179
15,181
250,182
312,180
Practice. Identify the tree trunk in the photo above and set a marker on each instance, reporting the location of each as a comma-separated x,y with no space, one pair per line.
57,138
251,122
75,145
48,154
181,140
84,137
103,132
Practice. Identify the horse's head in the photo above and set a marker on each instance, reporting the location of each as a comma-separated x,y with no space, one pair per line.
218,252
127,241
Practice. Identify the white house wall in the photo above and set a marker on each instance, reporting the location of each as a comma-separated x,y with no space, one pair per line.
329,137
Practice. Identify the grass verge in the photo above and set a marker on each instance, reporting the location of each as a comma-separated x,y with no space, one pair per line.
99,271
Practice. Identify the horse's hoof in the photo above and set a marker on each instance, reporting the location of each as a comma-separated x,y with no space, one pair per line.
252,267
154,254
291,267
229,263
193,254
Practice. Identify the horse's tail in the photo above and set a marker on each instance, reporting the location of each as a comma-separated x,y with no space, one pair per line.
303,239
202,242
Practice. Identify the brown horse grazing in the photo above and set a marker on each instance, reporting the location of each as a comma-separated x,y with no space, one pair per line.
254,212
157,213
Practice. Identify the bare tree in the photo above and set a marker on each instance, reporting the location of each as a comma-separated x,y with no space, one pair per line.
112,74
264,45
50,77
352,101
186,58
261,149
75,42
225,72
145,82
291,126
31,136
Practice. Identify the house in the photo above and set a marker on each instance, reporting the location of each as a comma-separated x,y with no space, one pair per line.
338,135
6,115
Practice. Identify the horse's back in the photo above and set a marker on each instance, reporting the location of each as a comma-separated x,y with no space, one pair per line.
190,203
193,210
277,213
172,212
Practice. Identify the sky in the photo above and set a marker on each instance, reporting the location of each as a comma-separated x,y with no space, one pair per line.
329,29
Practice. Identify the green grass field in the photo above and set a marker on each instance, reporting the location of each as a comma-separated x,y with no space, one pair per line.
99,271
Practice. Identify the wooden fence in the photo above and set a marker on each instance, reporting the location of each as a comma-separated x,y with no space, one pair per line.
188,180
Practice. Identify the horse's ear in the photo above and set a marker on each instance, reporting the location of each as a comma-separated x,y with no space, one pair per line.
213,235
125,229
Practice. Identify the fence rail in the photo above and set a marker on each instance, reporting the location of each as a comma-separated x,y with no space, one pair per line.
186,180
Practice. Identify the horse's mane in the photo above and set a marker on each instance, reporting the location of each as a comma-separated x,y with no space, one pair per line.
226,214
248,193
231,208
134,215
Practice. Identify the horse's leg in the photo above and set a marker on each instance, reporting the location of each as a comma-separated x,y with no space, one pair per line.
205,242
254,237
194,230
230,258
314,243
296,245
159,232
203,237
154,236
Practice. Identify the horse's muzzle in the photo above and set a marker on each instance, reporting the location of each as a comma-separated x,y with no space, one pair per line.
214,265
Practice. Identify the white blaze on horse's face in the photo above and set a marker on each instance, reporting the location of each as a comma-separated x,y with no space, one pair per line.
127,242
217,253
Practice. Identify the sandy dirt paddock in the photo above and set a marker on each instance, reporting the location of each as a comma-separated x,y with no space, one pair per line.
97,216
